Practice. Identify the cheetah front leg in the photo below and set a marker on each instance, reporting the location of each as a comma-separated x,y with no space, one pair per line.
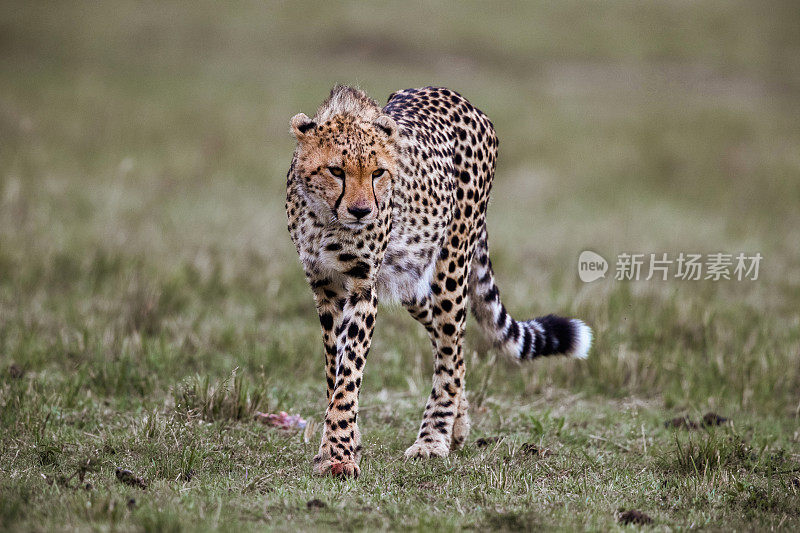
445,423
328,296
462,423
340,449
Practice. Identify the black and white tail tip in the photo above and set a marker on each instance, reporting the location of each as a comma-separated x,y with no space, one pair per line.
582,341
554,335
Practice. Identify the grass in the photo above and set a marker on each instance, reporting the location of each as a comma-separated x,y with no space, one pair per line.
151,302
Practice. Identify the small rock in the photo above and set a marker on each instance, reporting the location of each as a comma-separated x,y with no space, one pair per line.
316,504
633,517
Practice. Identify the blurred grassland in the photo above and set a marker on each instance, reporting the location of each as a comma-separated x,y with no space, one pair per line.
143,153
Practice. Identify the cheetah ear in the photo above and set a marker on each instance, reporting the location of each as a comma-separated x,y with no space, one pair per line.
301,125
387,125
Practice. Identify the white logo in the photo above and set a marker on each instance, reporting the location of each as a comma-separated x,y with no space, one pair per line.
591,266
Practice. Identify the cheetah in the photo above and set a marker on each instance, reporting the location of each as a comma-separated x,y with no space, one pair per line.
389,204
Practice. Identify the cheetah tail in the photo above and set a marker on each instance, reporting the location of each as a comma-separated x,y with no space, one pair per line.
547,335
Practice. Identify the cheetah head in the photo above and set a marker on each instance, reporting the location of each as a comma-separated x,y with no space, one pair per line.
347,157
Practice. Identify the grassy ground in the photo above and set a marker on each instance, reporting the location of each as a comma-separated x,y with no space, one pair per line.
150,299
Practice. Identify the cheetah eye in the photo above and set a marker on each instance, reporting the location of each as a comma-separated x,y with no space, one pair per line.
336,172
378,173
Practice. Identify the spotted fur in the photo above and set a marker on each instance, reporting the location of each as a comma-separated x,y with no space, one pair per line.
390,204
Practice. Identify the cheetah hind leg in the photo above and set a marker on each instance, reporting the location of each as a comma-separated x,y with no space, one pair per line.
461,425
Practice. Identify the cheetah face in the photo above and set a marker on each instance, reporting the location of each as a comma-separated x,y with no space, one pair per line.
349,164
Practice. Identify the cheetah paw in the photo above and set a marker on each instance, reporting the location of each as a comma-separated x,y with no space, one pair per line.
424,450
341,469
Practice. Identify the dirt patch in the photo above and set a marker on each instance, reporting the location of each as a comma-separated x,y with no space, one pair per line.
486,441
684,422
15,371
316,504
129,478
713,419
681,422
531,450
80,473
633,517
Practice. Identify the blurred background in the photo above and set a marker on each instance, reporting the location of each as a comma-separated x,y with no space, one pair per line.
144,148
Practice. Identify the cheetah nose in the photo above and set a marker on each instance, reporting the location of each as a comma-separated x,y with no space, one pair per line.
359,212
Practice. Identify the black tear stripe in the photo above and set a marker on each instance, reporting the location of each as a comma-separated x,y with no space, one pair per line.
339,200
377,207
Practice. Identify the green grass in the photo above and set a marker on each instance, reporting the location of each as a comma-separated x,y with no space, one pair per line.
151,301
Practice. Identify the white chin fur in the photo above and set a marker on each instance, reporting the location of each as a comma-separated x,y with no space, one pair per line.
583,341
